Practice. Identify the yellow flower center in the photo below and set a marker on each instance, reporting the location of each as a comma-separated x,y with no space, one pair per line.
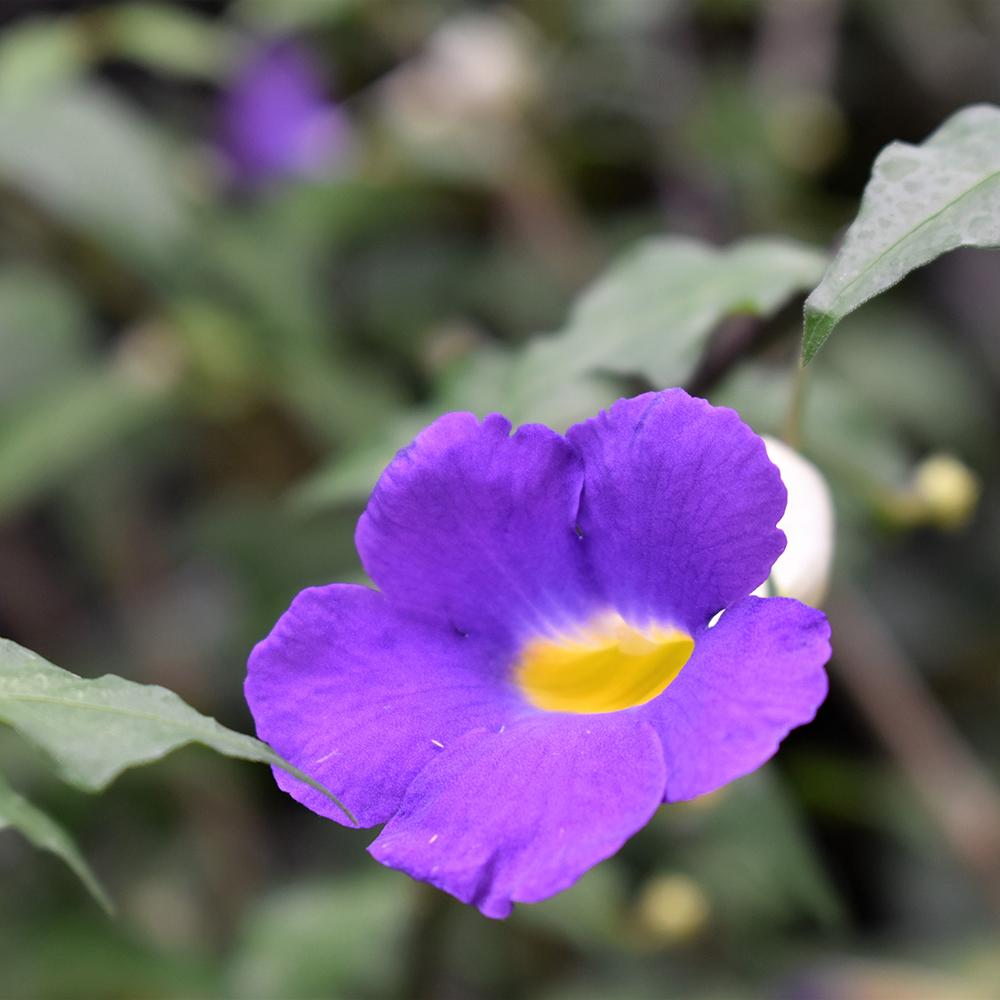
608,666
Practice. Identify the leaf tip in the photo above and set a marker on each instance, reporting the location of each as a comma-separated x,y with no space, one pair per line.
105,902
313,783
817,327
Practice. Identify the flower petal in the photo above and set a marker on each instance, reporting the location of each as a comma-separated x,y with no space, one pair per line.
361,695
754,676
479,525
679,507
519,815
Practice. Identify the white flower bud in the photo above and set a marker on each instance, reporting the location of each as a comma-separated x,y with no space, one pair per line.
483,63
802,571
461,98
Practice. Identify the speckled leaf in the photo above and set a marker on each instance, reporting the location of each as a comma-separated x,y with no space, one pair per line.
17,813
921,202
95,729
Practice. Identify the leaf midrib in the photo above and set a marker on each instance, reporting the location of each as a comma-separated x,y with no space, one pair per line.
920,225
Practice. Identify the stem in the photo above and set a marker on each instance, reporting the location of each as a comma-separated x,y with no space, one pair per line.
791,431
959,793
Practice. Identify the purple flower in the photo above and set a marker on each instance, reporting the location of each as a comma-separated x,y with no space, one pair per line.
275,119
537,672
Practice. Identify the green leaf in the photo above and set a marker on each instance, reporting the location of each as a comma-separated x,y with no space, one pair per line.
650,315
36,56
57,432
17,813
168,38
653,312
921,202
95,729
342,937
43,332
95,164
350,477
267,17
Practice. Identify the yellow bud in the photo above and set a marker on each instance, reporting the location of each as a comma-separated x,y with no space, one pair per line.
672,908
948,490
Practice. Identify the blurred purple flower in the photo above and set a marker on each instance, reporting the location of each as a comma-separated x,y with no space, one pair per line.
276,120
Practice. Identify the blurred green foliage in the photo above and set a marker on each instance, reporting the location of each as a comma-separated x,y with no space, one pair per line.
198,384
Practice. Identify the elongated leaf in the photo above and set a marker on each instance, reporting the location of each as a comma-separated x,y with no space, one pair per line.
650,315
93,163
95,729
168,38
921,202
37,55
17,813
350,478
325,937
56,432
266,16
43,333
